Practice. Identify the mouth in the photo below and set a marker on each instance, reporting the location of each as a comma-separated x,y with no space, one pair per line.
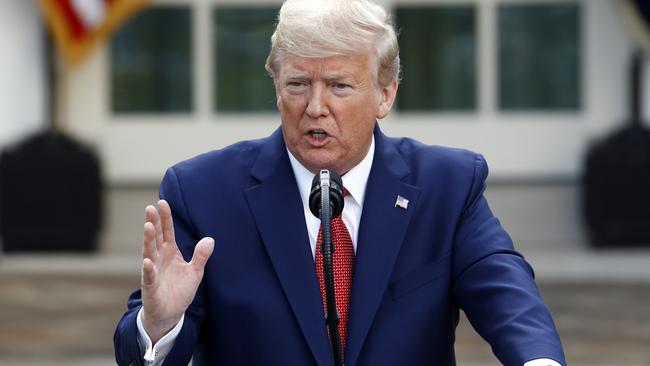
317,138
318,134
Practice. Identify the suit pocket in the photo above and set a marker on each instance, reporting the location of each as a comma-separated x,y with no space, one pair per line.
420,277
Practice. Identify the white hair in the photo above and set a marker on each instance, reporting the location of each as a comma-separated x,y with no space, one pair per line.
323,28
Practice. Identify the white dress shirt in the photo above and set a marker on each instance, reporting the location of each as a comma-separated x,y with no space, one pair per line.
355,181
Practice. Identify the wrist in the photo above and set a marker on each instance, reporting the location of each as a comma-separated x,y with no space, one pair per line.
155,328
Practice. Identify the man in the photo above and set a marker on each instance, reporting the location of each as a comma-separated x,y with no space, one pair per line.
423,241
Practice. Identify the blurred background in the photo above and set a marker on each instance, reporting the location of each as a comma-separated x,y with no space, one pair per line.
99,97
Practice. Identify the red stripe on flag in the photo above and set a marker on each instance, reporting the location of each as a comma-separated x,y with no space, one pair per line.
76,27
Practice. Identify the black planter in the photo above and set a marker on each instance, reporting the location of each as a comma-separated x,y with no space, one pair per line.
50,195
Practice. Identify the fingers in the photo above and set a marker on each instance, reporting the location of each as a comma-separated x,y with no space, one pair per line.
149,249
166,221
148,273
202,253
151,215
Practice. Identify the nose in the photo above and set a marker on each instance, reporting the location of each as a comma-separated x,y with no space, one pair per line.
317,103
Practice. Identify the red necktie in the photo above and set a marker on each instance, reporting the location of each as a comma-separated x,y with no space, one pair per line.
343,261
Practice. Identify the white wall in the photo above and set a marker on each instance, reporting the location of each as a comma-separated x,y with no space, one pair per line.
22,82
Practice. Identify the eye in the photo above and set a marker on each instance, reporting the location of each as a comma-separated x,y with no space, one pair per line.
296,86
341,89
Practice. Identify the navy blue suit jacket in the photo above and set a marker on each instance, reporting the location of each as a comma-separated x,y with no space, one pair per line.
259,301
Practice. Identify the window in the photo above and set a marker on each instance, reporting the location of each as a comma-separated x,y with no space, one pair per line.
241,45
438,53
151,62
539,57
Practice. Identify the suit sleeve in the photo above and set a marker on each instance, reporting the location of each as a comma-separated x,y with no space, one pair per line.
495,286
127,351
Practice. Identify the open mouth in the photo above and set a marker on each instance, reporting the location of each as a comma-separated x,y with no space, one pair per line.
318,134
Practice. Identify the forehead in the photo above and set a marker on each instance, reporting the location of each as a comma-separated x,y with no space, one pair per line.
340,66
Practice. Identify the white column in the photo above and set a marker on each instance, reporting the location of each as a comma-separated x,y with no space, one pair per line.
23,91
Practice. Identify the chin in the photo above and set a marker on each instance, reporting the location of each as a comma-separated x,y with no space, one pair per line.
316,166
315,159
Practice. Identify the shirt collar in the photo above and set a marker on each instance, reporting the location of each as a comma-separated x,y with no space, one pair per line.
355,180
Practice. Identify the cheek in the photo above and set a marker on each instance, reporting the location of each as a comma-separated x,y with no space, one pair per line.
360,116
291,115
292,105
352,133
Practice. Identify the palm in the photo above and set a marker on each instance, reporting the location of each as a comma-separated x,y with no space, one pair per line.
169,283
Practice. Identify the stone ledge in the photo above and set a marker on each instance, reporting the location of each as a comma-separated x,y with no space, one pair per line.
591,266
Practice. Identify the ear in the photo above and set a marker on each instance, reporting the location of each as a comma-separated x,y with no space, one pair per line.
278,97
387,97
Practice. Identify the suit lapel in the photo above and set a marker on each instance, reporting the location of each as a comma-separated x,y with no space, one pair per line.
278,211
381,231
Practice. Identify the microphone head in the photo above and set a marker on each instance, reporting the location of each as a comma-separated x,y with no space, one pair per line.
326,177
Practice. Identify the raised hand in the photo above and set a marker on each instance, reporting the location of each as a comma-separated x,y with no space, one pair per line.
169,283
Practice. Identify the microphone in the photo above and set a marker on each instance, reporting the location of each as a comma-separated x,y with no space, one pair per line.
326,202
326,178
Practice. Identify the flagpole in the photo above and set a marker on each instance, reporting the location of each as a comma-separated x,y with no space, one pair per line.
51,108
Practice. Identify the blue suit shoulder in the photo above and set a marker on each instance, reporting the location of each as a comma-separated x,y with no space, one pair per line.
209,180
444,164
224,162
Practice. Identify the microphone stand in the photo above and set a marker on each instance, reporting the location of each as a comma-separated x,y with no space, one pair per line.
327,249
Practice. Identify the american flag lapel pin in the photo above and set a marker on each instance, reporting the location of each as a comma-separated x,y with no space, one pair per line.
402,202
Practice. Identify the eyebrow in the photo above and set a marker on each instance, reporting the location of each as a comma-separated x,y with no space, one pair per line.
327,78
295,74
340,77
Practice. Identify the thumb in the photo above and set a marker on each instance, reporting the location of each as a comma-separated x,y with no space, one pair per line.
202,252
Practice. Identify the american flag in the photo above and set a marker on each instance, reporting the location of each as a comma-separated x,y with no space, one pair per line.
77,25
402,202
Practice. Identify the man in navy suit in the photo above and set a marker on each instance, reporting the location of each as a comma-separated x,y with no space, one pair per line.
424,239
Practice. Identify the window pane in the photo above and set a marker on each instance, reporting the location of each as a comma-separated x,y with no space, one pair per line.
438,54
151,62
241,43
539,53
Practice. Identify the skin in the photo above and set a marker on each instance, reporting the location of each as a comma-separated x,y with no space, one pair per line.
168,282
337,95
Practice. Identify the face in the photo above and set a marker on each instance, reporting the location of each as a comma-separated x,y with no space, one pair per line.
329,107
